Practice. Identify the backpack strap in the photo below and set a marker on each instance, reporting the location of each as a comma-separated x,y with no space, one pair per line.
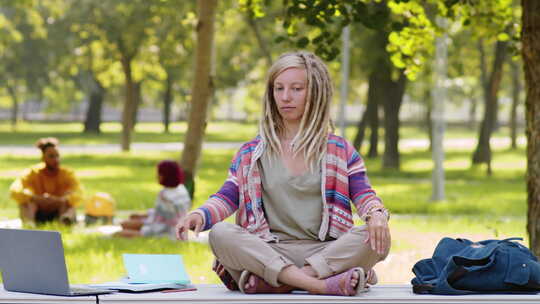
422,288
512,239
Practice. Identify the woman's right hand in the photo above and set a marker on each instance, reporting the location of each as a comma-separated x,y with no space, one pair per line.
193,221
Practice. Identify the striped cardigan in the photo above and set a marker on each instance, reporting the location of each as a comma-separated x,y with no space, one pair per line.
345,180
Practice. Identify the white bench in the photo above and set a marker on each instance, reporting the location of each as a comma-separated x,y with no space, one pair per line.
30,298
217,294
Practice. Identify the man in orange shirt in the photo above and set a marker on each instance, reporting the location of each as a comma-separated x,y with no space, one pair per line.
47,191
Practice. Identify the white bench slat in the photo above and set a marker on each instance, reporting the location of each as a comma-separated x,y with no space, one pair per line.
31,298
216,294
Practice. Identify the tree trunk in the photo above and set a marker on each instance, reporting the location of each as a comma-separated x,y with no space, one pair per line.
516,89
388,93
483,65
138,100
472,113
393,91
482,153
530,38
202,90
373,114
167,102
369,113
92,122
361,130
129,104
15,108
483,83
374,127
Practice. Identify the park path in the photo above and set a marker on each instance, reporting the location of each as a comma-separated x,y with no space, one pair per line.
114,148
177,146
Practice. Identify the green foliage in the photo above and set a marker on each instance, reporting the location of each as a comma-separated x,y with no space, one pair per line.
78,40
488,18
67,46
23,35
410,24
411,45
410,31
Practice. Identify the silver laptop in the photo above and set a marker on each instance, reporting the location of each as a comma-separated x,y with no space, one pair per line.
33,261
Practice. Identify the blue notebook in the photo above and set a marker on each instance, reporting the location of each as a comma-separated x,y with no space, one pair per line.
155,268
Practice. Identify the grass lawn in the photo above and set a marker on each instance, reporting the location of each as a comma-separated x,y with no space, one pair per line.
131,179
477,206
93,258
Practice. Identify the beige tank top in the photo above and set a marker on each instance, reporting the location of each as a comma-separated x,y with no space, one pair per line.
293,204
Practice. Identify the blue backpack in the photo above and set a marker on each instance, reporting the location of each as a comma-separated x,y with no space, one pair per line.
459,267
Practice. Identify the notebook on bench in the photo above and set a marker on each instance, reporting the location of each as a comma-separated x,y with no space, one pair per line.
149,272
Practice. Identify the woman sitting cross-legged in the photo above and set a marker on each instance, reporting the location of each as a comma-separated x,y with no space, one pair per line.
293,188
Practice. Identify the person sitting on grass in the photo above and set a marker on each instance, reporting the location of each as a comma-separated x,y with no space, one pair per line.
293,188
47,191
172,203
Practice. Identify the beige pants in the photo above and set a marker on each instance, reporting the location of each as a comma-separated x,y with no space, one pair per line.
238,250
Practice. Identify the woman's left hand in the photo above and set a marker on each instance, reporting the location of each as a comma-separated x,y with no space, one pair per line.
379,234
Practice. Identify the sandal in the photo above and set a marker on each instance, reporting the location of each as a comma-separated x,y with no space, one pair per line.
225,277
371,277
340,284
261,286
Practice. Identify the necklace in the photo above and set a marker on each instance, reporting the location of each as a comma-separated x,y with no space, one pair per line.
288,143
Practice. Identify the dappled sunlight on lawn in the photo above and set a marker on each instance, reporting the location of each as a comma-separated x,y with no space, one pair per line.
109,171
94,258
398,188
453,164
10,174
53,127
418,165
468,189
156,127
509,164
